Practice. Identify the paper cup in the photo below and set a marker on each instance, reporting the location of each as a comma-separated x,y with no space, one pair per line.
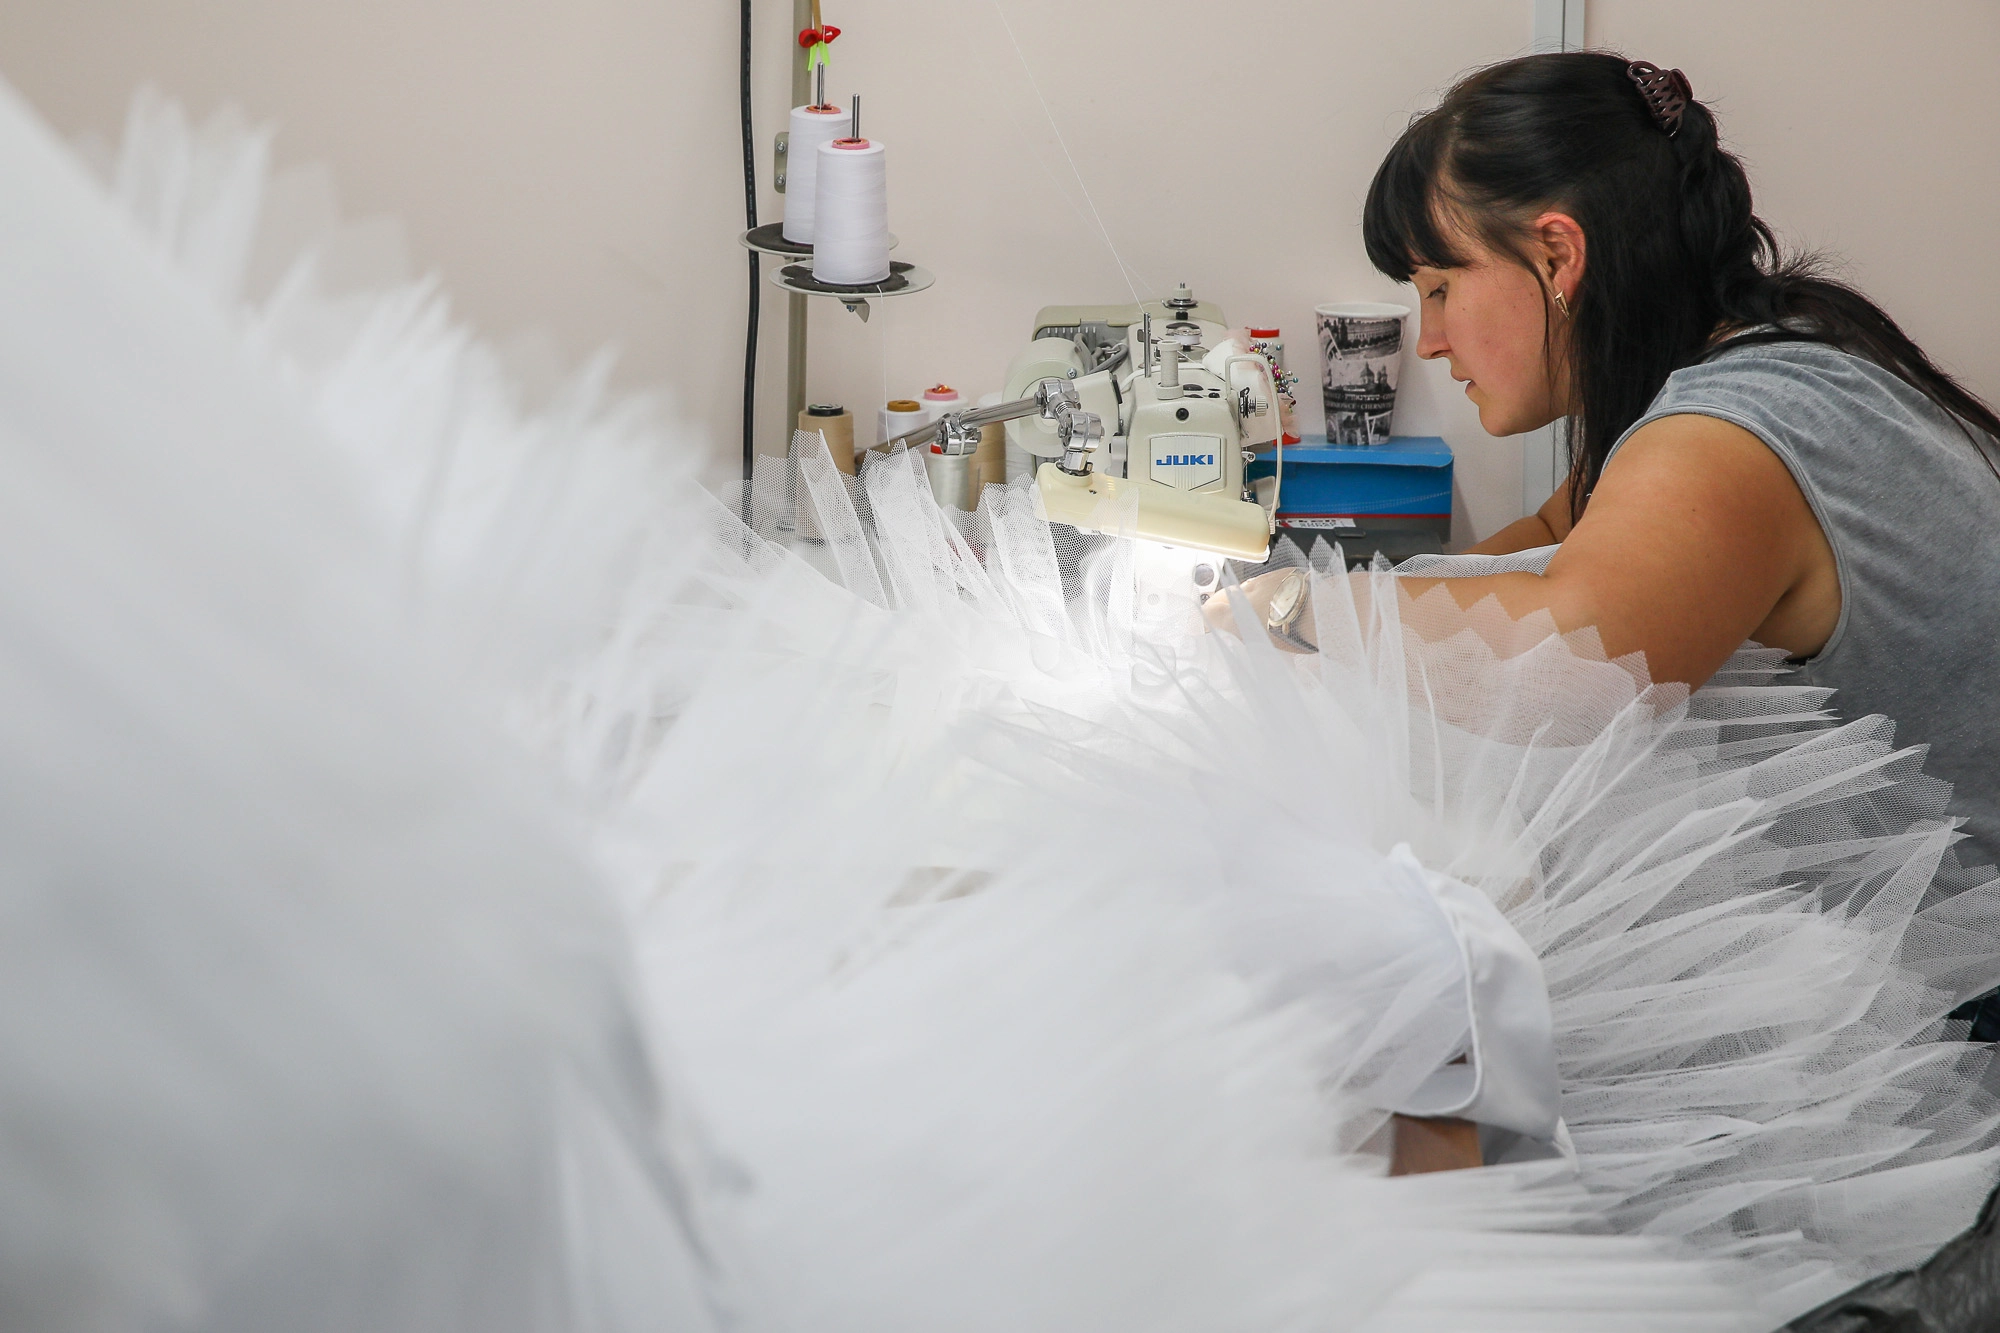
1360,347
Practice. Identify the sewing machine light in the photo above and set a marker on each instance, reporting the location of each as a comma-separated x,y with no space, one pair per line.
1171,584
1201,524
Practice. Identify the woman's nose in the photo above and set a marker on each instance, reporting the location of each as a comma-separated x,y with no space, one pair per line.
1430,338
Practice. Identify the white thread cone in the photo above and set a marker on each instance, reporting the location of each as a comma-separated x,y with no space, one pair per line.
851,241
811,128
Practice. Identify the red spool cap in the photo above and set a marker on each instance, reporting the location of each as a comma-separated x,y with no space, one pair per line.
1263,333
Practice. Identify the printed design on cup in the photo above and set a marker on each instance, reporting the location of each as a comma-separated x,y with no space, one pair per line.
1361,345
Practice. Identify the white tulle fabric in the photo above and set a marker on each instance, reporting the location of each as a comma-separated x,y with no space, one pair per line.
1022,956
308,1019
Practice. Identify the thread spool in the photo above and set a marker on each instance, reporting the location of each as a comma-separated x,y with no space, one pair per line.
954,478
812,127
1019,462
837,423
940,399
851,214
900,415
992,453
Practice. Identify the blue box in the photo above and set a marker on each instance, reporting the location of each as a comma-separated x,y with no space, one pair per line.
1403,484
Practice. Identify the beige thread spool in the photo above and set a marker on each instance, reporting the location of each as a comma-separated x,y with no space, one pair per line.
992,453
837,423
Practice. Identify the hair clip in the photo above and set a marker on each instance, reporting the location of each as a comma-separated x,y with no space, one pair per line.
1666,92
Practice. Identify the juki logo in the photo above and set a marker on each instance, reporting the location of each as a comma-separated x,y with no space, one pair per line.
1185,461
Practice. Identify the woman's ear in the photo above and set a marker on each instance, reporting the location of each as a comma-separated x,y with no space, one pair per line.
1560,241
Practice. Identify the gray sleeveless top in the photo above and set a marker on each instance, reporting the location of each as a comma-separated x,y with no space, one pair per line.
1913,517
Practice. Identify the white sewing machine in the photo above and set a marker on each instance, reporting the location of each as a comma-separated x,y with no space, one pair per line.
1185,406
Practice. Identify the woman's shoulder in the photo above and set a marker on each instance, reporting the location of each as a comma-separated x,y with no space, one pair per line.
1798,362
1797,392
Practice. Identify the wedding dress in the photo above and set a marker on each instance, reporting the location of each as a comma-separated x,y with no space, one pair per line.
469,876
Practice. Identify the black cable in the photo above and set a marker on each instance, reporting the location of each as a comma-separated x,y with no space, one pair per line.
750,216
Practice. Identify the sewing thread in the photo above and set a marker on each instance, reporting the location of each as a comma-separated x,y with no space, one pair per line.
811,127
851,240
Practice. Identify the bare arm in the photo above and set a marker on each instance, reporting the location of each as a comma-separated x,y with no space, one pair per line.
1545,527
1696,539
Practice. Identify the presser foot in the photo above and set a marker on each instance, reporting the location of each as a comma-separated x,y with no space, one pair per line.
1281,599
1285,618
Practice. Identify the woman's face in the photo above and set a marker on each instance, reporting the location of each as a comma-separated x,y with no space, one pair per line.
1493,323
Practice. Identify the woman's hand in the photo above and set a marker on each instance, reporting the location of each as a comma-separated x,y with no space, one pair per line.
1279,598
1424,1145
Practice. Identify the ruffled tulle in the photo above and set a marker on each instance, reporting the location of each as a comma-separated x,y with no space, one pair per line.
308,1016
1031,958
1747,914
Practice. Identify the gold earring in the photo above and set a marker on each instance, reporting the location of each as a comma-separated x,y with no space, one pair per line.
1562,303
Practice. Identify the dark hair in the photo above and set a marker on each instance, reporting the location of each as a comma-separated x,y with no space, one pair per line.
1674,252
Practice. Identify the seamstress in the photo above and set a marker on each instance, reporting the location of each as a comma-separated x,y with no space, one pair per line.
1758,452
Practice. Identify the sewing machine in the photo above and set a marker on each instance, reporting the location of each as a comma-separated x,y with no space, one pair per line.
1185,407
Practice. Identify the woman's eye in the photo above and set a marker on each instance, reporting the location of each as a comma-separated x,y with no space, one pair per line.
1435,291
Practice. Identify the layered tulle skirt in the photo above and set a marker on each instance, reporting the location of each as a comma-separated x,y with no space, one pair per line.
951,928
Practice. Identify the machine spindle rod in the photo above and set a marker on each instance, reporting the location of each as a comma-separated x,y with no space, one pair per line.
974,416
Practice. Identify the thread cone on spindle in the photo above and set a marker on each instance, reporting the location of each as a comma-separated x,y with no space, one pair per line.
811,127
851,212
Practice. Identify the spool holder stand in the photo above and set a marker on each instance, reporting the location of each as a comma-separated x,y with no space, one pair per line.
797,279
903,280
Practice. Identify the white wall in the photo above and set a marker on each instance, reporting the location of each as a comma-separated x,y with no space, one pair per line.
575,168
568,167
1870,130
